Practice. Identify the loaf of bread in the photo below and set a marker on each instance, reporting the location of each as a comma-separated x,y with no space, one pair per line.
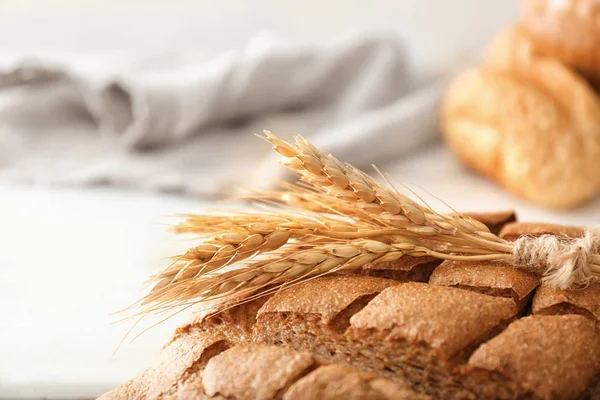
467,331
528,121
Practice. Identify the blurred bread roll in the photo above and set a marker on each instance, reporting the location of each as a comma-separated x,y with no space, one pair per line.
568,30
528,121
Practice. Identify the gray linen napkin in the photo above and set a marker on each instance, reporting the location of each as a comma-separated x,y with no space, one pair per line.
185,122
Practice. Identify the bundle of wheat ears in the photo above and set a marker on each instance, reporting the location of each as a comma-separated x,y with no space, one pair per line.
338,217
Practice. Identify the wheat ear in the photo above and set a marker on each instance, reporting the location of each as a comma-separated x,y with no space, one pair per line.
341,218
349,184
285,267
354,186
244,235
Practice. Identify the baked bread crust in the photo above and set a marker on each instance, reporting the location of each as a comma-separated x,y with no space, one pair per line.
460,336
341,382
513,230
568,30
180,361
258,372
255,376
446,319
527,121
493,278
567,345
343,292
405,269
558,301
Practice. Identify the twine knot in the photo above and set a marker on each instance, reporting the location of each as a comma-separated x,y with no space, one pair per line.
563,263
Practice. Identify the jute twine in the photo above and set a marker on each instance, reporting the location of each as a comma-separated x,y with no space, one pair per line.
563,263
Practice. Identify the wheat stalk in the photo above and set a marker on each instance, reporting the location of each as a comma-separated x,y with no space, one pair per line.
289,265
243,235
349,184
301,196
340,218
266,223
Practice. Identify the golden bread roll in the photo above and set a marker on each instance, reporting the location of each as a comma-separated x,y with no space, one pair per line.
568,30
528,121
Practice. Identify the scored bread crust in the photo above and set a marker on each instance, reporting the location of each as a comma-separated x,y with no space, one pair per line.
463,335
498,279
254,377
341,382
445,319
345,292
512,231
556,301
564,344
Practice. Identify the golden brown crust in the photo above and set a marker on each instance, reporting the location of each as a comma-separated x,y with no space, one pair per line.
529,122
568,30
419,269
344,383
179,359
405,269
585,302
254,372
554,357
514,230
446,319
249,372
325,297
405,331
487,276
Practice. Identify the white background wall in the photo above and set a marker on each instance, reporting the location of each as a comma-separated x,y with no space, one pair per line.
434,30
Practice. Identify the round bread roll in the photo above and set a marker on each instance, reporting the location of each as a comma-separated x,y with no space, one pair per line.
568,30
528,121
